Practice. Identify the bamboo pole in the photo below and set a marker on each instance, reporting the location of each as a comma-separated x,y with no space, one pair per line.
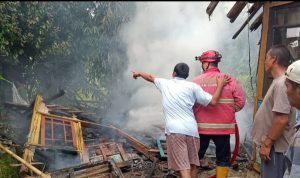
34,169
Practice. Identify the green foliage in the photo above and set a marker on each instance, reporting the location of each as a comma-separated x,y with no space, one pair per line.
6,171
245,81
236,62
27,32
73,46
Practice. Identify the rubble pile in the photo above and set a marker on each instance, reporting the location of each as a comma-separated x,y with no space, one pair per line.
60,143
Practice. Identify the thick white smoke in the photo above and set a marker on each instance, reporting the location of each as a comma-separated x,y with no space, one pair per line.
161,35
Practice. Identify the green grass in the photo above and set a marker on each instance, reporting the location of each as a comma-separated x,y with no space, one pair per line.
7,171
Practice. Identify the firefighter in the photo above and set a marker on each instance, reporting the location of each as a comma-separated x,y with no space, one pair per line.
217,122
178,97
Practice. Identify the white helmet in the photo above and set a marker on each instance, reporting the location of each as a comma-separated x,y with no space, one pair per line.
293,72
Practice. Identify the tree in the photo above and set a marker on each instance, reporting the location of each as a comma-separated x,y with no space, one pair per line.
73,46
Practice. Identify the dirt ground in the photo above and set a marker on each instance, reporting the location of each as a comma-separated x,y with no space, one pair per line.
241,169
246,173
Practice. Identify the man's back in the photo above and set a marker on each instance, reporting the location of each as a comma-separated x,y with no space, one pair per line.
178,98
219,119
181,128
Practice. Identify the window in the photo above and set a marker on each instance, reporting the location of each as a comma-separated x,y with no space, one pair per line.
57,132
284,28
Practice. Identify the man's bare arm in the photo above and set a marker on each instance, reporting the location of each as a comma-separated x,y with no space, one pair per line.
278,126
145,76
221,81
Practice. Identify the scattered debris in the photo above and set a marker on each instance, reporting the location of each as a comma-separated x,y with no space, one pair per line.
62,144
92,170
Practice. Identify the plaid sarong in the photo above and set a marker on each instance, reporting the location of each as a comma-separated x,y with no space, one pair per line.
182,151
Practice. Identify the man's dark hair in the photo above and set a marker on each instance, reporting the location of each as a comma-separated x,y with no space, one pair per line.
282,54
215,64
181,70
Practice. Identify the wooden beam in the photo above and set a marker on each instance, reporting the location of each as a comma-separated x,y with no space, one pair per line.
17,105
34,169
257,7
80,169
122,152
136,144
262,55
279,3
211,7
261,68
116,168
95,173
35,163
236,10
253,7
257,22
34,131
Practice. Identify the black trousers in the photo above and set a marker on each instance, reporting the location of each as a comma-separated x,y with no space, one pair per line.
222,143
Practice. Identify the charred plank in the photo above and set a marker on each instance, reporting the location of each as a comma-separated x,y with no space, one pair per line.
236,10
211,7
16,105
256,6
257,22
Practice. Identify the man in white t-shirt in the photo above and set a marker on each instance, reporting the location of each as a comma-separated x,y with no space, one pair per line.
178,98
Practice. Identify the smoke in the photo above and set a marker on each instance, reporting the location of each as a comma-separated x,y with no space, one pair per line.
163,34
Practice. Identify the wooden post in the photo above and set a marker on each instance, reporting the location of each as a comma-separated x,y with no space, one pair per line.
34,169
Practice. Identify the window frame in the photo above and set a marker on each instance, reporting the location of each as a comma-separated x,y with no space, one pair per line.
273,27
64,124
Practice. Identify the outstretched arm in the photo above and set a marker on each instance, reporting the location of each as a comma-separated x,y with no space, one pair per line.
145,76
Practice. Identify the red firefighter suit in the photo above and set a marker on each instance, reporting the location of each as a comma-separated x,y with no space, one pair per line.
218,122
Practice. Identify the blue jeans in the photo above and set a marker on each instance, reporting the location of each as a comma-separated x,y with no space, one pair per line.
298,116
275,167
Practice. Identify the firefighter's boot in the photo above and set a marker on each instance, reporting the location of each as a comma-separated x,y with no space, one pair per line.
222,172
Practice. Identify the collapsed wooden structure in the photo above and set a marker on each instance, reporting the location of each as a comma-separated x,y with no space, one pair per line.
64,144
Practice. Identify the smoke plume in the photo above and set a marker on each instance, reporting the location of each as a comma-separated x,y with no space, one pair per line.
163,34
